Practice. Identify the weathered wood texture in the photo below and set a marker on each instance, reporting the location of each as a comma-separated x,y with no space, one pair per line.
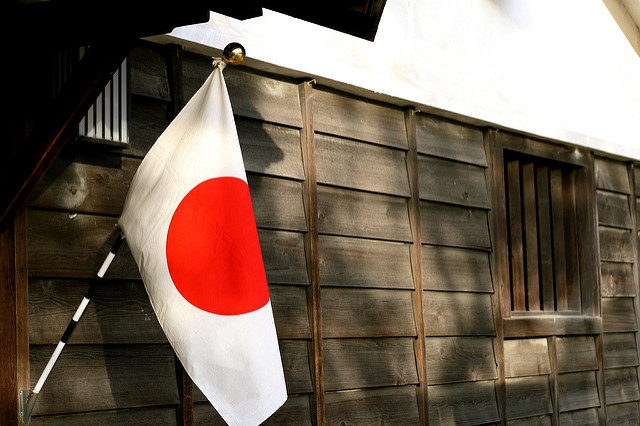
468,403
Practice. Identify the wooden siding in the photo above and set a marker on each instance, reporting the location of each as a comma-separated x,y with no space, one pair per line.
376,229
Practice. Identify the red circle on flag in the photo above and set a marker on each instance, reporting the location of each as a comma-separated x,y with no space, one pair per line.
213,252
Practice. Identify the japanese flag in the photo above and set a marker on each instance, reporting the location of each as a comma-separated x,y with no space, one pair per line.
189,223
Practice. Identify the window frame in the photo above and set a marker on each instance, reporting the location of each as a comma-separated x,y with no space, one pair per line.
551,323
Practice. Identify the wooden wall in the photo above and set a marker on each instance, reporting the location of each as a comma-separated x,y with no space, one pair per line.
374,224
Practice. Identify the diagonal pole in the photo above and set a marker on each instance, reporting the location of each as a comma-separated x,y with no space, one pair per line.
28,397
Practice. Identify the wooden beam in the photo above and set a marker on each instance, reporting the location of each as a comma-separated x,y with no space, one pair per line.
58,124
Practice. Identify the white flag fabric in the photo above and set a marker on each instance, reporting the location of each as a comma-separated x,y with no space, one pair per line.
189,223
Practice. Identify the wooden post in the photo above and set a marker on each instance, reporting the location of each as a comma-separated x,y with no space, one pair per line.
416,264
14,318
310,199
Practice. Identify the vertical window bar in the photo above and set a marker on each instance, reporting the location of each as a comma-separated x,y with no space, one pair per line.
531,236
571,243
545,239
559,257
516,248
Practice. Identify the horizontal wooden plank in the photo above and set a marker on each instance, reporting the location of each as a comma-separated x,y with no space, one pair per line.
74,245
554,152
277,203
455,269
588,417
544,420
618,314
616,245
397,405
624,414
447,139
616,279
354,118
576,353
119,313
551,325
295,411
105,377
362,214
357,165
81,182
283,256
577,391
270,149
366,313
469,403
621,385
290,311
355,262
460,359
619,350
360,363
452,182
149,118
160,416
458,314
613,209
526,357
611,175
252,95
149,72
444,224
528,396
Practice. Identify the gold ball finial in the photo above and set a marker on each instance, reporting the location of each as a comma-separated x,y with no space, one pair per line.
233,54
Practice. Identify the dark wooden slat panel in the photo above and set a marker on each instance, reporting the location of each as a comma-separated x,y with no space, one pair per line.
290,311
358,119
577,391
448,225
572,247
623,414
447,139
283,256
74,246
576,354
613,209
616,245
616,279
149,72
357,165
618,314
621,385
547,325
354,262
252,95
277,203
463,403
528,396
516,237
620,350
270,149
359,363
546,239
458,314
530,421
531,237
295,411
588,417
559,249
452,182
460,359
160,416
454,269
148,120
119,312
526,357
366,313
105,377
82,182
611,175
362,214
373,406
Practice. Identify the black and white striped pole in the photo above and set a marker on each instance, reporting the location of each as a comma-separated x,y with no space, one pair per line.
28,397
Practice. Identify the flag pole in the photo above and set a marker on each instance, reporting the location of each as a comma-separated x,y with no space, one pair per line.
28,397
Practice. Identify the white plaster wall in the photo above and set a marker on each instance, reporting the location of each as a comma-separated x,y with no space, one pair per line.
560,69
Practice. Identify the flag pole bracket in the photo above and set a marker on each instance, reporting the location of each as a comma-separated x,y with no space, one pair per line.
27,402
